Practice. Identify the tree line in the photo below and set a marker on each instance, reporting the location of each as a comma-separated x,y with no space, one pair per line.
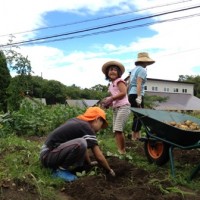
13,90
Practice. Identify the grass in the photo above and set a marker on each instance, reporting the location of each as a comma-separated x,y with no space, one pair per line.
19,157
19,162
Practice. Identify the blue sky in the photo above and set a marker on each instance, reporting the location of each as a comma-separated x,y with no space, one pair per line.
175,46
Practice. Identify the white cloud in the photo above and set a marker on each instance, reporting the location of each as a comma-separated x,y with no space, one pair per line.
175,45
80,68
86,73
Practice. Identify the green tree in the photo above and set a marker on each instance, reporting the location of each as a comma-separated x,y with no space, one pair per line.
16,91
152,100
36,86
4,82
73,92
100,91
16,61
55,92
22,66
100,88
97,92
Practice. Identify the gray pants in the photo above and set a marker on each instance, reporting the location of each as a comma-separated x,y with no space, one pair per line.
71,153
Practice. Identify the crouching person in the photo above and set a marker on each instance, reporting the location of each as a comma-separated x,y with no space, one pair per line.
67,146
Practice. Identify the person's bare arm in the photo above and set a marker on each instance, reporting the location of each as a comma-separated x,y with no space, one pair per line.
139,86
101,158
87,157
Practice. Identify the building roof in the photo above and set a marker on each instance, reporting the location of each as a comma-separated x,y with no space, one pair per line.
90,102
36,100
84,103
164,80
176,101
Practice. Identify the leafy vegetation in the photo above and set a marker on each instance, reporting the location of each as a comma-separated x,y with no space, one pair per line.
19,151
4,82
35,119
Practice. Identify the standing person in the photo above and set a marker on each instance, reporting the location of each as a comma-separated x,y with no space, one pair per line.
118,99
136,88
67,145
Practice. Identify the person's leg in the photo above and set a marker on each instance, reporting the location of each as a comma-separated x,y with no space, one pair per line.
136,125
71,153
120,115
120,141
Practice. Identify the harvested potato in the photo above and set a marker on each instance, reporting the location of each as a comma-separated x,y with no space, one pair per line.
172,123
193,127
185,125
188,122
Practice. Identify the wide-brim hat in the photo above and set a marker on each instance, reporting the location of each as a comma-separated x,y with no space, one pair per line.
144,57
93,113
113,63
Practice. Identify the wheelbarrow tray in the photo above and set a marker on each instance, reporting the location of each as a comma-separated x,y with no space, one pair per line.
156,121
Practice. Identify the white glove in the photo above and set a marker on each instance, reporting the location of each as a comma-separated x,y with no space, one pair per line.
93,163
138,100
112,173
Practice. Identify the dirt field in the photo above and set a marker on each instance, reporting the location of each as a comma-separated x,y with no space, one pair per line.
130,183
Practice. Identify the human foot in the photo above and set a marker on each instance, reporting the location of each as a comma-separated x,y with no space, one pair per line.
136,136
121,152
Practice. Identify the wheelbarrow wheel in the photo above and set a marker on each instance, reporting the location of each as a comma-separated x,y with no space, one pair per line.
156,152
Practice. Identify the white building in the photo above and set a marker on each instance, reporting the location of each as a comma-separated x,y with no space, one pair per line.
180,95
167,86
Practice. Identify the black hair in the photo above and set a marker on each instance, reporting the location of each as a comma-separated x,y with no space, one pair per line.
119,72
140,63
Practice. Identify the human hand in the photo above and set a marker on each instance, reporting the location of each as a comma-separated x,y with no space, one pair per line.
107,102
138,100
112,173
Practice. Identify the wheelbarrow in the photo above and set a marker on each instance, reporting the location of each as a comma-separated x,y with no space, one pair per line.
161,137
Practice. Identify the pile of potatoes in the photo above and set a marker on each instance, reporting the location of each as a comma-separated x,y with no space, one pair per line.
185,125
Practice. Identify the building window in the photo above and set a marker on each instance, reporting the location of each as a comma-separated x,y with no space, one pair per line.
145,87
166,89
184,90
154,88
175,89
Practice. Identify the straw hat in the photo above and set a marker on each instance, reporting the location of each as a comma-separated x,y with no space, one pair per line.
144,57
112,63
92,113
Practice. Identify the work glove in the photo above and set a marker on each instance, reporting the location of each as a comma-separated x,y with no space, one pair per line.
107,102
112,173
138,100
93,163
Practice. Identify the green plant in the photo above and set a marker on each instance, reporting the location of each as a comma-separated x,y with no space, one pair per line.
35,119
20,163
93,172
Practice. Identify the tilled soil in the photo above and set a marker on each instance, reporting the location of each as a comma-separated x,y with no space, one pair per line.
131,182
